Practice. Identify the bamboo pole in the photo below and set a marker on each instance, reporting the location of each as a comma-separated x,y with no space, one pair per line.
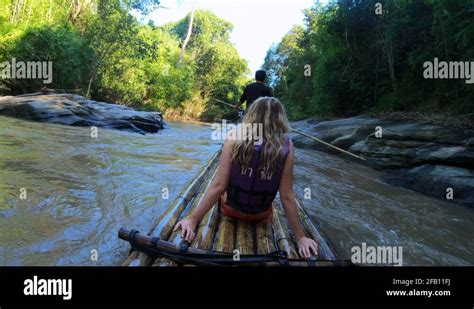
207,229
244,238
264,237
328,144
225,235
175,236
304,134
284,239
147,242
325,252
165,226
165,223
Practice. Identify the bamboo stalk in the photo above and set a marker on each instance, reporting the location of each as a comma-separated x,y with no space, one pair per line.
329,145
264,237
165,223
175,236
165,226
244,239
207,229
325,252
225,235
284,239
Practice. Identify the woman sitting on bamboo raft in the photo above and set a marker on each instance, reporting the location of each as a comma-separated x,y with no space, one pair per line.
250,175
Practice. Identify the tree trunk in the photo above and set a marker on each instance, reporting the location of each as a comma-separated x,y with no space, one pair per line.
12,18
29,10
21,7
391,62
96,68
76,7
50,10
376,78
188,36
16,12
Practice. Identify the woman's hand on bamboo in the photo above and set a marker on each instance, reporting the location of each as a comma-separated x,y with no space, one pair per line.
188,226
307,247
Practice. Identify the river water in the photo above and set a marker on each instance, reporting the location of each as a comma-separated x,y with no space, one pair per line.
352,205
81,190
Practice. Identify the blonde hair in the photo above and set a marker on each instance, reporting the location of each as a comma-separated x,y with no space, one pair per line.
269,112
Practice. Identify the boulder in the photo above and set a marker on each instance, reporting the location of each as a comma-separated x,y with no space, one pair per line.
75,110
401,150
435,180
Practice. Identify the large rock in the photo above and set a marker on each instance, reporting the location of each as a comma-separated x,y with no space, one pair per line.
75,110
401,151
437,180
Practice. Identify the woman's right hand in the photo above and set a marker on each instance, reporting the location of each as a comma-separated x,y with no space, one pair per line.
188,226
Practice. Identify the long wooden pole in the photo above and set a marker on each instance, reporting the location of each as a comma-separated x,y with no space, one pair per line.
228,104
302,133
147,244
327,144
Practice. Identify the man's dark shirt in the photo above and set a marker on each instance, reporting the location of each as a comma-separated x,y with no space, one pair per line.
254,91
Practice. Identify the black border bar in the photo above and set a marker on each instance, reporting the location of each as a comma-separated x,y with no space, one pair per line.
238,285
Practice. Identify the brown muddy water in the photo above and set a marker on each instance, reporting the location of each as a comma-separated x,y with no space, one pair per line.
80,191
352,205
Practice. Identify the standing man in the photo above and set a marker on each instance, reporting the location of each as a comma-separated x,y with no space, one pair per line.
255,90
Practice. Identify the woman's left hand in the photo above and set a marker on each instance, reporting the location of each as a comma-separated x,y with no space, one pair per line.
307,246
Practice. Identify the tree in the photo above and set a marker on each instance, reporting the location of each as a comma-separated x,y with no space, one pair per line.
362,62
99,49
188,35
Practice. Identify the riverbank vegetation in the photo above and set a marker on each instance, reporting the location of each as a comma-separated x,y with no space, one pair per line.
354,57
101,50
349,58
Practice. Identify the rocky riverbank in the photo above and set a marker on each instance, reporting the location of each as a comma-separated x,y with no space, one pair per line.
75,110
432,159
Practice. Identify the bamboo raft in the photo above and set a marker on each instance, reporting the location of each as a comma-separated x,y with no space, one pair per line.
222,234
